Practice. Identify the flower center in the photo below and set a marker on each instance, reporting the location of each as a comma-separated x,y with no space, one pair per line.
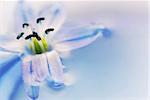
38,46
36,42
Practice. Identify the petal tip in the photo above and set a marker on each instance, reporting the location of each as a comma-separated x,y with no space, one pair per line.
107,33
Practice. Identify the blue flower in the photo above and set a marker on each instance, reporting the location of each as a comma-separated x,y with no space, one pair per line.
43,39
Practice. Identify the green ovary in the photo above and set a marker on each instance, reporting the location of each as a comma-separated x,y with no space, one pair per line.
45,45
36,47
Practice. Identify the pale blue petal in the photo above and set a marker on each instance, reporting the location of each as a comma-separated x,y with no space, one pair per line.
26,11
56,78
40,67
24,14
9,43
6,63
8,84
35,69
16,87
33,92
12,46
54,16
27,72
78,37
55,85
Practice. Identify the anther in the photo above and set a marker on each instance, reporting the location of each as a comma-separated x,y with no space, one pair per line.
37,36
40,19
28,37
48,30
20,35
33,35
25,24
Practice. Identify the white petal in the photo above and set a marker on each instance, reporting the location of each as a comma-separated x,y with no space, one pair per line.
24,14
40,67
54,17
55,66
26,70
77,38
11,45
35,69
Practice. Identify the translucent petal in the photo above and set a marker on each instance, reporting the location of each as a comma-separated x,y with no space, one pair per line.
16,88
28,76
55,67
26,71
24,14
8,81
40,67
11,44
7,62
54,17
78,37
35,69
33,92
55,85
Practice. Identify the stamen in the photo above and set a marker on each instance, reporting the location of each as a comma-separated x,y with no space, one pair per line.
37,36
20,35
28,37
48,30
40,19
33,35
36,39
25,24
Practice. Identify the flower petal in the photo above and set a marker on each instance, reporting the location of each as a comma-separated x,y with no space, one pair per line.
8,44
26,71
78,37
33,92
40,67
7,62
55,66
8,81
24,14
28,76
54,16
35,69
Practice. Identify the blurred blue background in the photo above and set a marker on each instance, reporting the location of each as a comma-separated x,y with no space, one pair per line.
114,68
